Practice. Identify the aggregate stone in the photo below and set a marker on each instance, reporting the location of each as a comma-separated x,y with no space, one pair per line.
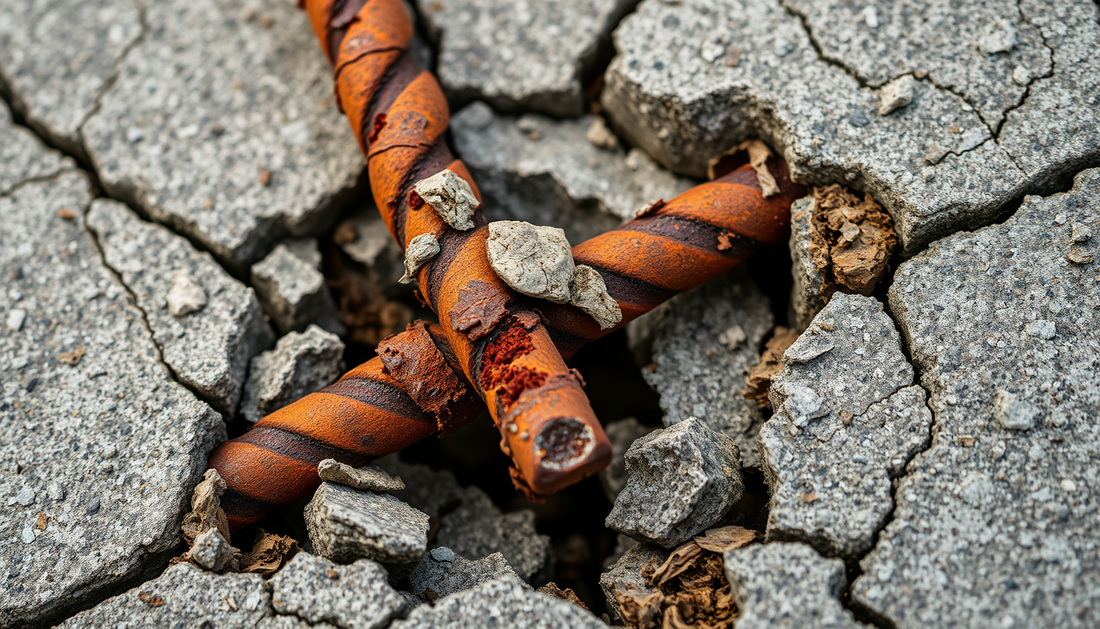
787,585
22,155
211,551
445,573
184,596
470,524
294,292
995,524
56,58
626,574
535,260
848,418
807,292
95,436
621,434
355,596
520,56
679,481
692,79
301,363
560,179
210,99
346,524
500,603
699,369
209,348
368,477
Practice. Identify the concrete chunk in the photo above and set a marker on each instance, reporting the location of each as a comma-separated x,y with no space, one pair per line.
500,603
355,596
451,197
442,573
367,478
532,259
294,292
301,363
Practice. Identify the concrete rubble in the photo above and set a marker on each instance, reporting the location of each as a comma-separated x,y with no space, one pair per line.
706,341
787,585
208,346
294,292
995,521
355,596
525,56
679,481
626,574
533,259
367,478
364,237
622,434
848,418
503,602
301,363
991,115
559,179
441,573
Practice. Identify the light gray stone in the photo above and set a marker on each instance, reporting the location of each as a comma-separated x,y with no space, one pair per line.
421,249
294,292
209,348
500,603
787,585
301,363
679,481
87,404
22,155
368,477
346,524
561,179
185,295
209,99
621,434
995,524
355,596
588,292
184,596
807,292
451,197
699,376
470,524
626,575
848,418
445,573
692,79
525,56
369,243
211,551
535,260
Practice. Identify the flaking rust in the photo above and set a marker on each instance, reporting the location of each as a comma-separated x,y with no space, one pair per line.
478,309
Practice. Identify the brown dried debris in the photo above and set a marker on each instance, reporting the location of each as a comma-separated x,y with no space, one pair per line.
206,511
851,241
689,590
72,358
759,379
269,553
567,595
758,154
364,309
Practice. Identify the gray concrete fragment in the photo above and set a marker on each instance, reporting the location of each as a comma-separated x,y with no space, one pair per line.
503,603
445,573
355,596
86,405
184,596
622,434
787,585
697,375
209,349
993,523
848,419
533,259
808,291
211,551
301,363
307,249
367,478
470,524
626,575
588,292
294,292
346,524
22,155
366,240
526,56
679,481
421,249
980,130
451,197
208,101
561,179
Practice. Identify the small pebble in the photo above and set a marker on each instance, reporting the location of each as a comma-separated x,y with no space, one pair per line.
16,317
443,554
451,197
421,249
185,295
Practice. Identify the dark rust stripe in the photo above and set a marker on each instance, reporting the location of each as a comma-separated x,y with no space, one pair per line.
301,448
694,233
244,507
398,76
449,245
382,395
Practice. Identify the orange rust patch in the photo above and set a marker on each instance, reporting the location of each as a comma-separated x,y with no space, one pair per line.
478,309
514,381
724,241
415,202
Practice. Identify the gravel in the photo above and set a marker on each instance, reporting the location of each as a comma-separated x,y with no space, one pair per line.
355,596
300,364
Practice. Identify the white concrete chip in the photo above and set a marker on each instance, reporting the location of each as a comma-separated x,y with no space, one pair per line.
451,197
421,249
185,295
534,260
589,293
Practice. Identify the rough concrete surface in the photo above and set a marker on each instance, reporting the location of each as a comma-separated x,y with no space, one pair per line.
444,573
99,447
848,418
552,174
301,363
996,524
626,574
213,96
807,292
500,603
355,596
700,362
294,292
23,156
988,120
527,56
208,349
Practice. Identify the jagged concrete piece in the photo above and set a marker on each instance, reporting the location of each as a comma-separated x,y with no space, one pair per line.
528,56
99,446
787,585
209,348
504,603
994,523
451,197
211,551
444,573
532,259
294,292
679,481
808,289
355,596
626,575
22,155
221,125
696,374
367,241
588,292
368,477
184,596
981,127
560,179
848,419
185,295
420,250
622,434
301,363
346,524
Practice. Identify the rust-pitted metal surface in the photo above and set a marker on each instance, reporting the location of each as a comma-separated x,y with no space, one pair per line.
493,342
